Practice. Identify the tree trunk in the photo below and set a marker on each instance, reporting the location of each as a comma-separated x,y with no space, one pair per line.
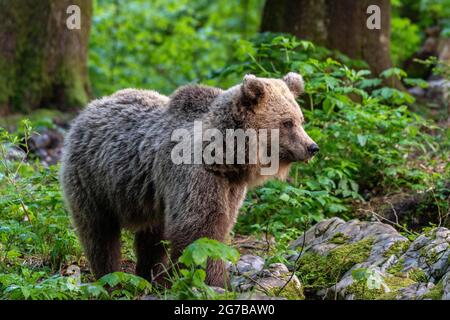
335,24
42,62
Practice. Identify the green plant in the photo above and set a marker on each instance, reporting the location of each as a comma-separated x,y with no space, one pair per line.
162,44
424,13
33,219
441,68
365,131
370,278
188,281
405,39
31,285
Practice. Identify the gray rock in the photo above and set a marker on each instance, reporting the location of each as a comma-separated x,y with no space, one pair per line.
276,276
417,91
277,269
256,296
430,253
315,232
438,90
415,291
14,153
275,282
446,286
249,264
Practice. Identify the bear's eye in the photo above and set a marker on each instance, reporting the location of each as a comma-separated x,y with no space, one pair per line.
288,124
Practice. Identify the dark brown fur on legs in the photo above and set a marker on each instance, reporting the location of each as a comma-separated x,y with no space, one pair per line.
205,212
150,253
101,243
217,275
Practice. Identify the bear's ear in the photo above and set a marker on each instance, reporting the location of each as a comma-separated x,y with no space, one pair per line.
295,83
252,90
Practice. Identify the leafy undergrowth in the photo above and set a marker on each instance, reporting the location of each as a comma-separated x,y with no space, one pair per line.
40,255
371,145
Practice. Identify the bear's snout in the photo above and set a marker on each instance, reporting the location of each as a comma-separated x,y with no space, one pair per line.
313,148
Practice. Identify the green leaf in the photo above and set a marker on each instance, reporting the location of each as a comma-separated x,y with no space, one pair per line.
416,82
396,72
197,253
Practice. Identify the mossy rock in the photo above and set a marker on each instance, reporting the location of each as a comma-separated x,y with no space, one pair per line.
362,292
322,271
435,293
397,249
339,238
396,268
292,291
418,275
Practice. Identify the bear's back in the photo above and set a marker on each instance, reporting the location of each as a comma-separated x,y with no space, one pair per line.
140,97
107,134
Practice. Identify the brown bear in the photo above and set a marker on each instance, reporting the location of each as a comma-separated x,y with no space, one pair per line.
118,171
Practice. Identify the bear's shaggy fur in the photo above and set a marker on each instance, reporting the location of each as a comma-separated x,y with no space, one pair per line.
117,170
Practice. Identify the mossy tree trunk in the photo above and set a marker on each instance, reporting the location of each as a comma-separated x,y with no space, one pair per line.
336,24
43,64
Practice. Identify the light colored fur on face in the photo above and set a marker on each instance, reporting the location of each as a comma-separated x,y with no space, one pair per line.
275,104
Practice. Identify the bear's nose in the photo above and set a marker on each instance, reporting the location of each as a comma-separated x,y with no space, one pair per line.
313,149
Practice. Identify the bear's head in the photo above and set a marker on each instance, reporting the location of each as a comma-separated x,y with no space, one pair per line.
267,103
266,107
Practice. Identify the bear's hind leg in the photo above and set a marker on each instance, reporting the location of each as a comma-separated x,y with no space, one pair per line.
150,252
101,243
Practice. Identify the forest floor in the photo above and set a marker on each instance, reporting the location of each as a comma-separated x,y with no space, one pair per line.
413,215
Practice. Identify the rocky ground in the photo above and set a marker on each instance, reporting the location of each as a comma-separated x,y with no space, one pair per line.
352,260
334,259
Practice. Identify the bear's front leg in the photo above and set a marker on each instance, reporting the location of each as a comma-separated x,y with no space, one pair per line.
201,204
217,275
214,225
205,213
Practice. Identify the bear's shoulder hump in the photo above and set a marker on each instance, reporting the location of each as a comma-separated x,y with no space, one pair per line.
193,99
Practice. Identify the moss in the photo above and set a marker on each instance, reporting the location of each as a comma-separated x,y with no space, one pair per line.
361,292
69,78
322,271
418,275
394,283
291,292
396,268
397,249
34,73
339,238
431,256
435,293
